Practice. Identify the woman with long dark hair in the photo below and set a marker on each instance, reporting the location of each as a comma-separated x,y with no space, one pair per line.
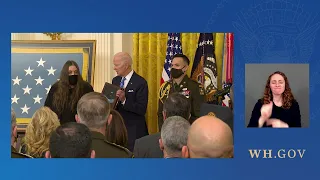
277,108
65,93
116,131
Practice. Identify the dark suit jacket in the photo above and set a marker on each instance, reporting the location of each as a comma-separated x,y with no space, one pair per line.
135,107
148,147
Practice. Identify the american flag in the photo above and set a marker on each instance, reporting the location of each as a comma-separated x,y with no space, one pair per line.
173,48
32,76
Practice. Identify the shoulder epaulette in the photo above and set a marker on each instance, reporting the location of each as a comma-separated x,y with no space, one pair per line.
121,147
27,155
21,154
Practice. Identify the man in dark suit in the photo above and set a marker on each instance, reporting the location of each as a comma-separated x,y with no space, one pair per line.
175,105
133,97
14,152
93,110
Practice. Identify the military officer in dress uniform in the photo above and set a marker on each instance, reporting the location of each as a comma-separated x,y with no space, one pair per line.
93,110
181,83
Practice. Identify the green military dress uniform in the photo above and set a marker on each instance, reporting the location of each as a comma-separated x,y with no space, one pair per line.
106,149
16,154
190,89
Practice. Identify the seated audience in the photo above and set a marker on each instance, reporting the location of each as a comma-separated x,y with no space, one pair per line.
70,140
174,136
36,140
14,152
116,131
148,146
93,110
209,137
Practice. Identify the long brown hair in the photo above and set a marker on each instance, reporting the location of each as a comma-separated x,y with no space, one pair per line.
116,131
61,96
287,96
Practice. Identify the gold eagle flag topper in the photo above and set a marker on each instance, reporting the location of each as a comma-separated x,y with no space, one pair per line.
211,114
54,36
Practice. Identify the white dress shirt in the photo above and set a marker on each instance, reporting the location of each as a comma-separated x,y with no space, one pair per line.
128,77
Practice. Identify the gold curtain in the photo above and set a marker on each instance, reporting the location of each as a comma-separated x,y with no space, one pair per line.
149,53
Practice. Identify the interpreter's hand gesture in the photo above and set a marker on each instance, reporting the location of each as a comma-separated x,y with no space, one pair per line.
277,123
266,111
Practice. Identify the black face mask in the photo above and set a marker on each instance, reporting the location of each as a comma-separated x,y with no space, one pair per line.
176,73
73,79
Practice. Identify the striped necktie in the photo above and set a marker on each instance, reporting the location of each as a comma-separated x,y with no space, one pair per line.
122,82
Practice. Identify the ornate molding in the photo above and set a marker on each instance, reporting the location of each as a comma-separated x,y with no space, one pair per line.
54,36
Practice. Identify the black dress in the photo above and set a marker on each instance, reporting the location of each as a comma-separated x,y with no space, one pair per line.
67,115
290,116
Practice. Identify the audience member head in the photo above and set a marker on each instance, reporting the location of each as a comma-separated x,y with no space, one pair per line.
36,140
13,127
116,131
122,62
209,137
174,135
176,105
94,111
71,140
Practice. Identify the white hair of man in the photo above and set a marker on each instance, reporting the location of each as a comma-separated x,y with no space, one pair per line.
174,135
125,57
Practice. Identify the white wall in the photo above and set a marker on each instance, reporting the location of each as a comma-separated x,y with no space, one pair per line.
107,45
